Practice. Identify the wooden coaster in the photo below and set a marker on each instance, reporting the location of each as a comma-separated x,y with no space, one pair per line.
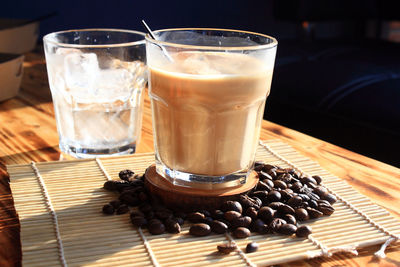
187,198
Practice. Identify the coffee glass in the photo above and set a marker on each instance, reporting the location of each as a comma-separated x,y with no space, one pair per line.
208,89
96,78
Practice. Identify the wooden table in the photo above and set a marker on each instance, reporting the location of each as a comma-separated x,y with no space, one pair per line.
28,132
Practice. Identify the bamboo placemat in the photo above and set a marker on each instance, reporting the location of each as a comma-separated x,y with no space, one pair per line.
59,206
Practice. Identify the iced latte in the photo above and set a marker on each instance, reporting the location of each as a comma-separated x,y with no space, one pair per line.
207,110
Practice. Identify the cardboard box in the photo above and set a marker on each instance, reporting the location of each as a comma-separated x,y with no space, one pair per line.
11,71
18,36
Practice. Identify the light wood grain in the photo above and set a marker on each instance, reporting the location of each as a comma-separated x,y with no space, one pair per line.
28,132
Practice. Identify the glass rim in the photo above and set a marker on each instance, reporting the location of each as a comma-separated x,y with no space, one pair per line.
47,38
274,42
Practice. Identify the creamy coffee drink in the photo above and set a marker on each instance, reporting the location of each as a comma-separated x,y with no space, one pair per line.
207,110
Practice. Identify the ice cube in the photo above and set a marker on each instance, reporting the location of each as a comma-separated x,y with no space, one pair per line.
198,64
113,84
81,71
66,51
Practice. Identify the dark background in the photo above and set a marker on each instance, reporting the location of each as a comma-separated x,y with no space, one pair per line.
249,15
337,74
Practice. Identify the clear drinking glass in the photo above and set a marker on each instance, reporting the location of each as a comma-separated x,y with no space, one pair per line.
96,78
208,89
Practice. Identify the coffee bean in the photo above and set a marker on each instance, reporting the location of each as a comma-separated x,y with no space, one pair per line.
138,221
322,201
261,186
226,222
280,184
272,173
170,220
108,209
110,185
266,214
305,190
173,228
320,191
244,221
301,214
257,201
303,205
246,202
115,203
280,170
290,219
257,225
330,198
311,185
151,221
163,214
313,204
276,224
135,184
287,229
200,229
251,247
326,209
207,220
286,177
274,196
275,205
307,179
125,174
195,217
180,214
303,231
296,187
156,228
179,220
317,178
226,248
286,209
258,165
251,212
145,207
264,229
206,213
313,213
295,201
304,197
232,205
269,182
136,180
231,215
313,196
122,209
122,185
129,199
264,176
136,213
286,194
268,167
217,214
241,232
219,227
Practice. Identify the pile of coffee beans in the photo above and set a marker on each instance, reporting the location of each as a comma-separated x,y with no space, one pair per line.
280,200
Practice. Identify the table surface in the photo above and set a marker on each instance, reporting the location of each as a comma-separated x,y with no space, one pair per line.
28,133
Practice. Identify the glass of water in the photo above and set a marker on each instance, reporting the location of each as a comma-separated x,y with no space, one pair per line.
97,77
